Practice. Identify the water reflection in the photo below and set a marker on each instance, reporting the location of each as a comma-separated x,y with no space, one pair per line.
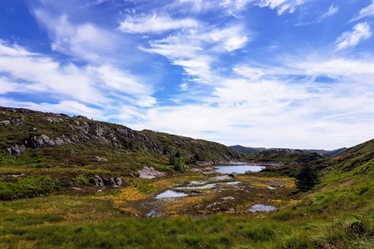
262,208
237,167
170,194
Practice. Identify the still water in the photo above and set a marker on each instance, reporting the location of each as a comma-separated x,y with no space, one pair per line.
170,194
240,168
262,208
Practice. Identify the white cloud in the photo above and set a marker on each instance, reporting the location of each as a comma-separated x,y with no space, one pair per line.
258,105
15,51
196,50
230,38
249,72
155,24
85,41
333,10
281,5
365,12
43,73
198,67
120,80
330,12
186,50
190,6
235,4
222,94
361,32
104,86
235,7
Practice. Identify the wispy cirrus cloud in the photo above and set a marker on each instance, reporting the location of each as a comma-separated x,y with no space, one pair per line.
282,6
365,12
321,16
360,32
333,10
195,50
155,24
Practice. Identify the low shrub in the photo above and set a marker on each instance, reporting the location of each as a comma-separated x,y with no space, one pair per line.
27,187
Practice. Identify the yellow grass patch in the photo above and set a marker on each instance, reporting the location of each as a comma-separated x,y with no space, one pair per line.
163,183
128,194
184,202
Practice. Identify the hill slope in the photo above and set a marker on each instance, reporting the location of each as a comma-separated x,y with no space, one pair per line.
347,182
22,129
42,152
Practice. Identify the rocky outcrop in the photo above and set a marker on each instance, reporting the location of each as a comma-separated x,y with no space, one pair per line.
149,173
5,122
21,129
107,181
36,142
45,141
16,149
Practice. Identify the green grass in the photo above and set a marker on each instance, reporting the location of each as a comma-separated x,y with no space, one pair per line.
337,213
96,221
116,231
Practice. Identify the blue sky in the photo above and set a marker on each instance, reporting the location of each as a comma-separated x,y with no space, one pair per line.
271,73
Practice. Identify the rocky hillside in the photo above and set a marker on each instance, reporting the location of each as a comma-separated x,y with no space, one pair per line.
22,129
42,153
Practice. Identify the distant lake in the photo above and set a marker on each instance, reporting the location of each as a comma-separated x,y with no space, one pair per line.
238,167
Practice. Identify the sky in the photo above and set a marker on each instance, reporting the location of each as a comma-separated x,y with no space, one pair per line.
259,73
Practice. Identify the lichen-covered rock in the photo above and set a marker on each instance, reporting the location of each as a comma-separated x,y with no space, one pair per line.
5,122
107,181
98,181
119,181
16,149
149,173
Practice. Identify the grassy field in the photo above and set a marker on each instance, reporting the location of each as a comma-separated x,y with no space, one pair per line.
111,219
48,198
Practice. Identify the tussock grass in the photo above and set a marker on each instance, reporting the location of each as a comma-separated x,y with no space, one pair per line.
65,221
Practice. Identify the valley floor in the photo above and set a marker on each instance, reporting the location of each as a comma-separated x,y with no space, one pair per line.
216,213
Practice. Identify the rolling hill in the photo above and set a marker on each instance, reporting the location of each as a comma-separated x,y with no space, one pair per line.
82,176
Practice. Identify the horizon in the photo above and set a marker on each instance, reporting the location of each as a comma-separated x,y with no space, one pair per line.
279,74
246,146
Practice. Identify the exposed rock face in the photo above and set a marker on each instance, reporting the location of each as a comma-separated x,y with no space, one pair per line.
98,181
82,132
22,129
107,181
45,141
16,149
149,173
5,122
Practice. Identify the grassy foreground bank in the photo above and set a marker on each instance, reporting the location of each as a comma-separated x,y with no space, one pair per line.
97,221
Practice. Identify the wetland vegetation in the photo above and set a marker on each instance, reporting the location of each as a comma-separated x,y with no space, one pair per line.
68,195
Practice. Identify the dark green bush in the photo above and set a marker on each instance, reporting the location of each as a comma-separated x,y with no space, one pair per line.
306,178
